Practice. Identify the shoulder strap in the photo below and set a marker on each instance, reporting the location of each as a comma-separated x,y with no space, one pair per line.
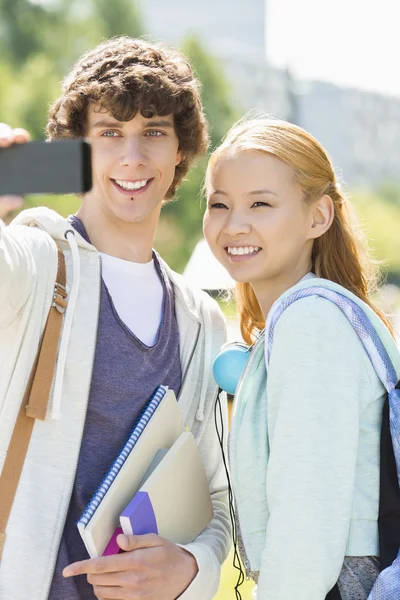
370,339
365,330
35,400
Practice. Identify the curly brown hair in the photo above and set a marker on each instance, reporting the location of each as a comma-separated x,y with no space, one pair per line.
125,75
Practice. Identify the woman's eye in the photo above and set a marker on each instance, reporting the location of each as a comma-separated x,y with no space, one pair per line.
259,203
217,205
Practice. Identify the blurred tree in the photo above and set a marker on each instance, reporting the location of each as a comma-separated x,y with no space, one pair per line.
61,29
389,190
119,18
217,95
380,219
21,29
25,97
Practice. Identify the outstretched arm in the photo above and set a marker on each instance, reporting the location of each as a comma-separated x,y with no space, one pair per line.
16,264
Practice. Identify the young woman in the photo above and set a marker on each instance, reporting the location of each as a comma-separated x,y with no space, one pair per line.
305,434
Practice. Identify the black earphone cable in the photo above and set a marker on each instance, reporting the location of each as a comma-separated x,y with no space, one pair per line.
236,558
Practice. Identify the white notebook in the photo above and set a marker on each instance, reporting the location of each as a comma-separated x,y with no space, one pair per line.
159,427
174,499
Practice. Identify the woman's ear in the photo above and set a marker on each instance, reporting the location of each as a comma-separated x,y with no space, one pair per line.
322,217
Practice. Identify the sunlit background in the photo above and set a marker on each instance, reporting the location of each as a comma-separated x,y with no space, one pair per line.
329,66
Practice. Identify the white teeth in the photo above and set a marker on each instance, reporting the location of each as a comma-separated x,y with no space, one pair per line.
131,185
243,250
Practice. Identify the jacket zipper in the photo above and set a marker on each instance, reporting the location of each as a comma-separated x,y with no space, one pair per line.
64,515
190,359
246,562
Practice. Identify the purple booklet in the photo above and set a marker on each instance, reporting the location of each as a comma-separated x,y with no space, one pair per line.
138,517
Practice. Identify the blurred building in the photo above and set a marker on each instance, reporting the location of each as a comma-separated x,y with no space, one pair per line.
234,31
229,28
360,130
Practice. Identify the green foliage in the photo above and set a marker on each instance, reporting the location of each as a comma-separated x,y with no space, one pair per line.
184,215
380,219
216,96
64,205
118,18
39,42
22,27
25,98
389,190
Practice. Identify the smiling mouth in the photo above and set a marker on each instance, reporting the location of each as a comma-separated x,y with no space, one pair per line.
239,253
132,188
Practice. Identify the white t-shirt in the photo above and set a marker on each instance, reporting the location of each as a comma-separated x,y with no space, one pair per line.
137,294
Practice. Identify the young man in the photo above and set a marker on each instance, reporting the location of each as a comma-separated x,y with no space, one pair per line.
130,325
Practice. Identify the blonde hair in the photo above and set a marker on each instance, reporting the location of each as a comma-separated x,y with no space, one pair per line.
340,254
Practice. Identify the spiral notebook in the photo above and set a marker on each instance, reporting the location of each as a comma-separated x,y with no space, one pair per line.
159,427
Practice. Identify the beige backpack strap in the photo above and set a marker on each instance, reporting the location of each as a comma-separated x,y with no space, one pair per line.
35,401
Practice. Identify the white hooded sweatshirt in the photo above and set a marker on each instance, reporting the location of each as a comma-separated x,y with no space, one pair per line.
28,266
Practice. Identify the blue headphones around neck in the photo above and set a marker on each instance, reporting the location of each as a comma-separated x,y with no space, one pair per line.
229,365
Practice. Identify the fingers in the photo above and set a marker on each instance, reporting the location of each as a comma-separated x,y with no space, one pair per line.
117,562
9,203
10,136
21,136
134,542
104,564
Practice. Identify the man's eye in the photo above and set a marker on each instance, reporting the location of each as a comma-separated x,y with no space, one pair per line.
109,134
154,133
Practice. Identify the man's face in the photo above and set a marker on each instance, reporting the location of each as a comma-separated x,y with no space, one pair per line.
133,164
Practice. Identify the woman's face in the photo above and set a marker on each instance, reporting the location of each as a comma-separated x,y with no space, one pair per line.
257,223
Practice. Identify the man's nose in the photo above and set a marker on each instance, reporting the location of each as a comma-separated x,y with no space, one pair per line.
133,152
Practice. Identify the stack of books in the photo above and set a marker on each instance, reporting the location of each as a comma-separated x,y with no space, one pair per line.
157,484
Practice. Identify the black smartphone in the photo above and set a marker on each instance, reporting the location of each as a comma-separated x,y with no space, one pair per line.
58,167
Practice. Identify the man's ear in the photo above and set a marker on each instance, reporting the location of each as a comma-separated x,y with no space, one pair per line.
179,157
322,214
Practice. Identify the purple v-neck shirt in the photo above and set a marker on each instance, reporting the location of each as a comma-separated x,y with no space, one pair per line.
125,373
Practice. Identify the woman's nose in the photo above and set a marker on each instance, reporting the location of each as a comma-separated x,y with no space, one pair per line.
237,224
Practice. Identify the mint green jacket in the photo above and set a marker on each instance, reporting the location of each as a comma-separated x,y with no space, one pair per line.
304,449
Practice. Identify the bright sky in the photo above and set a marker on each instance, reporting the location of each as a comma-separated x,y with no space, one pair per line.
350,42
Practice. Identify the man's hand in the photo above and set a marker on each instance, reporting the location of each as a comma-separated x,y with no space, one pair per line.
150,567
8,137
